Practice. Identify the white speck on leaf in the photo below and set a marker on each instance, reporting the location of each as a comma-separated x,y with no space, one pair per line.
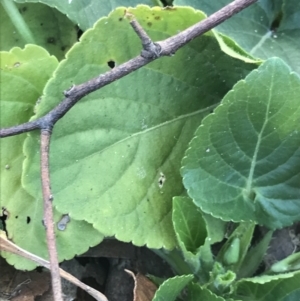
141,172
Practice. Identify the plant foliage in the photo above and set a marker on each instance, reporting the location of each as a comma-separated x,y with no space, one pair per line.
189,151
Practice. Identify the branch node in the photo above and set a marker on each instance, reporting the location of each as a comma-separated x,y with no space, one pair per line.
150,50
68,92
50,197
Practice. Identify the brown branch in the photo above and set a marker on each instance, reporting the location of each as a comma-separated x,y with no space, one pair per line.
48,215
167,47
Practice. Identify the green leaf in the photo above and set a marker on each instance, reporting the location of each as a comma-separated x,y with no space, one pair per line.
172,287
244,161
233,252
255,257
189,228
216,228
86,13
47,27
24,73
290,263
198,293
269,288
293,296
265,29
115,157
191,233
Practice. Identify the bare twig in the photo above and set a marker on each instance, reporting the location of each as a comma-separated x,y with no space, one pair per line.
167,47
48,215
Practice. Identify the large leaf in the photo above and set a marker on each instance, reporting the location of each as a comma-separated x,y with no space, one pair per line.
244,162
115,157
265,29
86,12
24,72
46,26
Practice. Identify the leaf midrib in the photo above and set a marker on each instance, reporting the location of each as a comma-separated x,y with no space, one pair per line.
259,140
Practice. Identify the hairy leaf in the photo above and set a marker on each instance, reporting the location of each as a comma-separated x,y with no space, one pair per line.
244,161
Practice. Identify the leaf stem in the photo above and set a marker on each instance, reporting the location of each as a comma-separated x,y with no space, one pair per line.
18,21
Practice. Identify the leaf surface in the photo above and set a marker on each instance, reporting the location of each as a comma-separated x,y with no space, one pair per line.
281,287
115,156
190,229
50,29
198,293
265,29
86,13
24,73
244,161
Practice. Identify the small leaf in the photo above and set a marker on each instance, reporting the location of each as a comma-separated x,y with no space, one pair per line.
244,161
291,263
189,224
233,252
190,229
172,287
216,228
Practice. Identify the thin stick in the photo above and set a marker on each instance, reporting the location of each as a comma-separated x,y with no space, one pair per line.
48,215
8,246
167,47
